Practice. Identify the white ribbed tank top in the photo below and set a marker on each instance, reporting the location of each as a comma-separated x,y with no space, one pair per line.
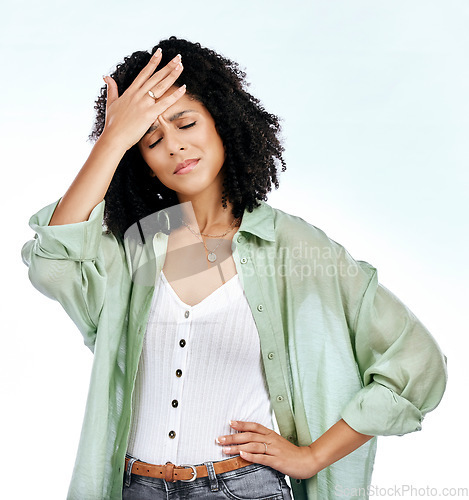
200,367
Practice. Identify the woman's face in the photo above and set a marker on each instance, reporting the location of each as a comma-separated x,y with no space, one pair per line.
185,136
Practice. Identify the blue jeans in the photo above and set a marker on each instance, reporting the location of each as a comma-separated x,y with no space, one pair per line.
253,482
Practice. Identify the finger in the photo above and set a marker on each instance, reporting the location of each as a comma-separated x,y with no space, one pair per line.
160,88
249,426
172,68
112,91
241,437
256,458
258,448
147,71
163,104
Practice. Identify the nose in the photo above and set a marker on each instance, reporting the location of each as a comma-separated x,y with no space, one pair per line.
180,149
174,141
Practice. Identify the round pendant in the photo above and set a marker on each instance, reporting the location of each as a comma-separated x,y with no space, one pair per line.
211,257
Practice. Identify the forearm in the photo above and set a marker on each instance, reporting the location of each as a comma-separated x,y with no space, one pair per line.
91,183
334,444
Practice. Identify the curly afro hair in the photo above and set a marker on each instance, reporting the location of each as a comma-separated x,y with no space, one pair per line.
249,134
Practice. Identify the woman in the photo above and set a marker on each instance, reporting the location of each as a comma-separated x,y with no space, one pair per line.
207,309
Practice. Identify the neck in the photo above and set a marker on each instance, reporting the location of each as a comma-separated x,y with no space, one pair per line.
205,212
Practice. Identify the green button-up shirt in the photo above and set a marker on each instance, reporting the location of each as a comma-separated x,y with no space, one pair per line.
335,343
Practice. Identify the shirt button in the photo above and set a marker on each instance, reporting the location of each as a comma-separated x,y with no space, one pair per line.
279,399
244,260
186,314
240,238
182,342
260,307
172,434
271,355
178,373
174,403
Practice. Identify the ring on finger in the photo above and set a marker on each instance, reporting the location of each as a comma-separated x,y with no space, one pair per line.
265,444
152,95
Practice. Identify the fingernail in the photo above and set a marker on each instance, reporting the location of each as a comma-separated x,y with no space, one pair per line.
220,440
104,78
157,52
227,449
233,422
178,57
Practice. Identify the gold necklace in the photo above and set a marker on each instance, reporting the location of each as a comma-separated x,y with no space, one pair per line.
211,255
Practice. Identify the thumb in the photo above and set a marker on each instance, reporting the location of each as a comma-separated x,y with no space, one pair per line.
112,91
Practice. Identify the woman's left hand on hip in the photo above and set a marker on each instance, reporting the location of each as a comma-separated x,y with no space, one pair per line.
261,445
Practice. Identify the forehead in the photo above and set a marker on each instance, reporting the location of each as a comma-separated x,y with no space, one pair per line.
186,102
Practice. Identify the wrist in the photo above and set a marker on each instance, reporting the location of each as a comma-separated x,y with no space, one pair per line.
114,144
316,459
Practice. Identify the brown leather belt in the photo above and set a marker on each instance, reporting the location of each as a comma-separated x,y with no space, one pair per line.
172,473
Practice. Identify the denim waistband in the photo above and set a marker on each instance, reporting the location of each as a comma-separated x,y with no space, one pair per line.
269,482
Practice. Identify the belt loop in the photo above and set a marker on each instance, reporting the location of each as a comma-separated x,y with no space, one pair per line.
128,471
212,476
169,472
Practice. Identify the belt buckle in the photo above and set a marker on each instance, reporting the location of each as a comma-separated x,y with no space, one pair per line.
194,472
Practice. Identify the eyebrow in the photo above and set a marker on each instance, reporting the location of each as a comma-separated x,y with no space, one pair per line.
171,119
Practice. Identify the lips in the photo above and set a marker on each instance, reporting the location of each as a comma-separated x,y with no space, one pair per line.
185,164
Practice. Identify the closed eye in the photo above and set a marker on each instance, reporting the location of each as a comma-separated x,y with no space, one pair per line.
188,126
151,146
181,128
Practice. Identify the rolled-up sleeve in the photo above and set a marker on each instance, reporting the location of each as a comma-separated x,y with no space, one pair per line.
402,368
66,263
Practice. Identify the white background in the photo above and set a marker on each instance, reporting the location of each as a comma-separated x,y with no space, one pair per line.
373,97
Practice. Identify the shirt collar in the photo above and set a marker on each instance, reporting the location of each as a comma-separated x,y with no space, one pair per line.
259,222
